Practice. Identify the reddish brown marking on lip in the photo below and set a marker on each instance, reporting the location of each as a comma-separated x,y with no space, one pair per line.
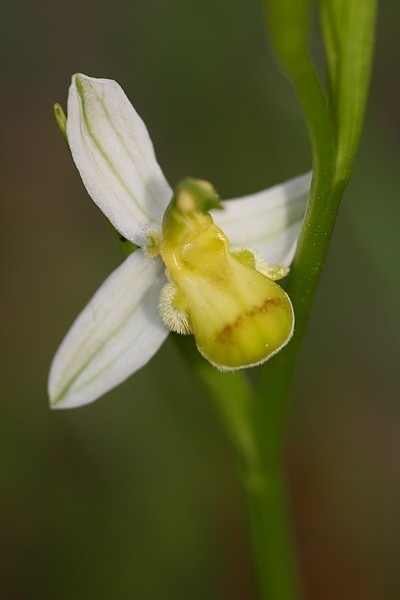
225,336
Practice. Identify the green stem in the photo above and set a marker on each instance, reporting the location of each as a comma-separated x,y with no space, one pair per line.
349,58
271,533
334,139
263,483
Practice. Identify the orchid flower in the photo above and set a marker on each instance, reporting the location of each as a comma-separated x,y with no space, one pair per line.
197,269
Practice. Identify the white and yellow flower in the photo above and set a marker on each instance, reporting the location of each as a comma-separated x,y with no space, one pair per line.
186,276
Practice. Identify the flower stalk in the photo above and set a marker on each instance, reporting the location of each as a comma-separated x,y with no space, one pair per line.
334,122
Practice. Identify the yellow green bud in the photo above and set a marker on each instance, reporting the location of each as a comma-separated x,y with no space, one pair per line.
239,317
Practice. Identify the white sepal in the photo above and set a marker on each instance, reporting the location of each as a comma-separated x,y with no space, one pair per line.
114,154
114,336
269,221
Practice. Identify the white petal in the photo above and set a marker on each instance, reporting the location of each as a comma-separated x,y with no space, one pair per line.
116,334
114,154
269,221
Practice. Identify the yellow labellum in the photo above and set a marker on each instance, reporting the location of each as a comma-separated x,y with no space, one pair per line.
239,317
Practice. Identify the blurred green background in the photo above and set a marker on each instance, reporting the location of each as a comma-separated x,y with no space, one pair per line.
136,495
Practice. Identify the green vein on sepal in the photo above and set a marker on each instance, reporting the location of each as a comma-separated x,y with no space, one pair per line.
107,159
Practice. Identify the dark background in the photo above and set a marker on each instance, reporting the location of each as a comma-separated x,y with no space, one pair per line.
136,495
